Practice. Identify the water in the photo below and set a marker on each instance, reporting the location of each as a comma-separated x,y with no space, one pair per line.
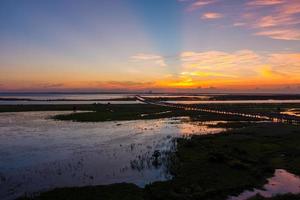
51,96
282,182
37,153
291,112
42,102
44,98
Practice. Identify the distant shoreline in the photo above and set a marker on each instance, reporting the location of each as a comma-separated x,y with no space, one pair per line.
150,93
30,99
156,97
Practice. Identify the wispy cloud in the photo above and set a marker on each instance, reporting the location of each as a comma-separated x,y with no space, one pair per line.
211,15
199,4
125,84
207,74
273,21
287,34
276,19
239,24
279,23
219,59
265,2
219,65
289,62
240,64
156,59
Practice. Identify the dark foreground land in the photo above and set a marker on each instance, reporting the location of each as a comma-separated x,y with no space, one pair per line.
208,167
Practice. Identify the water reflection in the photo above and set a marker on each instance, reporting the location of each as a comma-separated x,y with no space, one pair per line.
199,128
282,182
52,96
37,153
292,112
37,102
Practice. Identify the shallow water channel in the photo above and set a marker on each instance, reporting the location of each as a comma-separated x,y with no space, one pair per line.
38,153
282,182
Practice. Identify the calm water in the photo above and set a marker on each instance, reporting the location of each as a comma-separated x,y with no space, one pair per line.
45,96
56,99
282,182
12,102
37,153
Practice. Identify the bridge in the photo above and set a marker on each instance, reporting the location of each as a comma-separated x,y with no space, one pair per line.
279,118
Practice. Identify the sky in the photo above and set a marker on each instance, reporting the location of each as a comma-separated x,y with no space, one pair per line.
157,45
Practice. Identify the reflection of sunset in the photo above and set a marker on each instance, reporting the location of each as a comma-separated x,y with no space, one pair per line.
188,129
283,182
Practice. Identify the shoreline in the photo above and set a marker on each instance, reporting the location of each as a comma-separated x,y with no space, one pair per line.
154,96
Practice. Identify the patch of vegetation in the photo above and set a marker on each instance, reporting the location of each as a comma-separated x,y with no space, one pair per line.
120,191
112,112
234,124
46,107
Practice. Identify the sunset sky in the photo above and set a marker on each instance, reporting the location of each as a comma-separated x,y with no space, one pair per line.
159,45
